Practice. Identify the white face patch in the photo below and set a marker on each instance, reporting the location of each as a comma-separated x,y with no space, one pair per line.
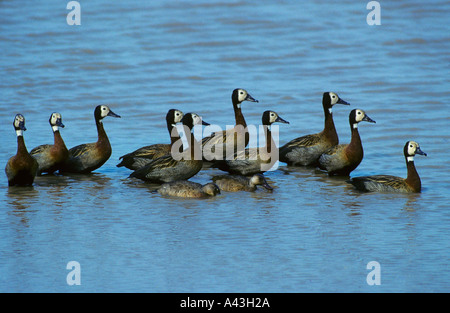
104,110
54,119
359,115
254,180
196,119
178,116
273,117
242,94
412,147
18,120
334,98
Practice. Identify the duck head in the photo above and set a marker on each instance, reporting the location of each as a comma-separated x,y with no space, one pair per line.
270,117
174,116
357,115
411,149
259,179
19,124
240,95
55,121
329,99
102,111
211,189
192,119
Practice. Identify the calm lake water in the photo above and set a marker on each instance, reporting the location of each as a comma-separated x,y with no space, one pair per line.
313,233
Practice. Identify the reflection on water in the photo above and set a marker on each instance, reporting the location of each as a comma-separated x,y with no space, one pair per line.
412,203
21,195
21,201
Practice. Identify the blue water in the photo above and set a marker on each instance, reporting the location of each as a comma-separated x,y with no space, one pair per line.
313,233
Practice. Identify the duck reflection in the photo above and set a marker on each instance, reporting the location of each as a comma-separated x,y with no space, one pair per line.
20,201
92,184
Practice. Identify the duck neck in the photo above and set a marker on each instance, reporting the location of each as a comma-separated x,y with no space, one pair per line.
240,120
21,148
173,132
269,140
102,137
238,116
412,178
57,138
355,148
195,151
329,129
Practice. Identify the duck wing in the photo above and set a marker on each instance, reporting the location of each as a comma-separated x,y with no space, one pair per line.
142,156
379,183
82,149
333,158
40,149
150,152
304,141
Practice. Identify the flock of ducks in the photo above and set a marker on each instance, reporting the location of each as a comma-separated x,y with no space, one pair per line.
159,164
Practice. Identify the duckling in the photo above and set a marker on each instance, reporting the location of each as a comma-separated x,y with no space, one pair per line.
168,168
305,150
255,160
144,155
237,135
188,189
88,157
21,169
388,183
241,183
344,158
51,157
